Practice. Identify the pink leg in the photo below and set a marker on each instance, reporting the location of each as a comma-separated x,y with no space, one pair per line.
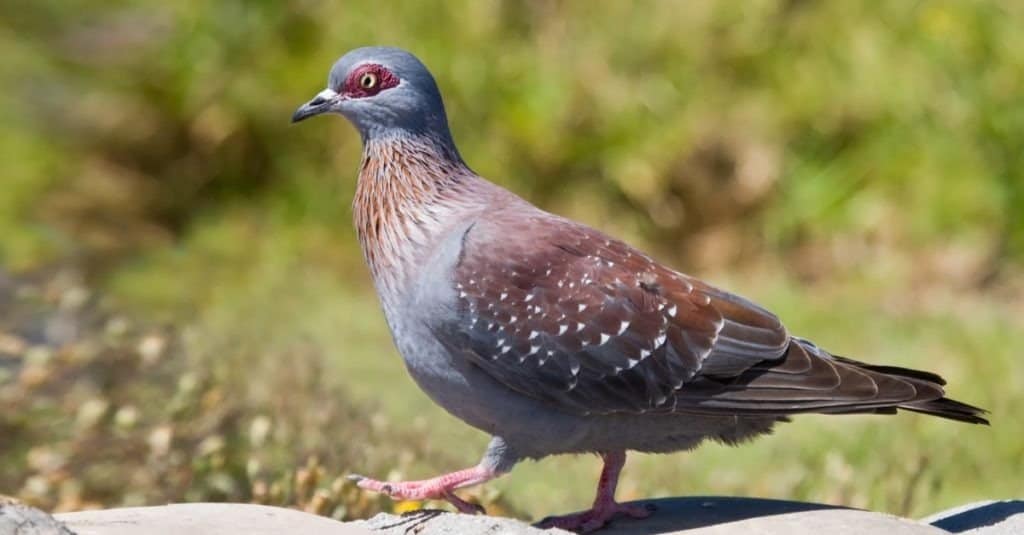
605,507
441,487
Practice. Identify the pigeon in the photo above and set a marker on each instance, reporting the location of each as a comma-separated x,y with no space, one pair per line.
556,338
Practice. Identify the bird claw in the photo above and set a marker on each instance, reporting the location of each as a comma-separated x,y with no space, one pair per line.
597,517
464,507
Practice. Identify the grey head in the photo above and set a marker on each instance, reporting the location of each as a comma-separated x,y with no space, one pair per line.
383,91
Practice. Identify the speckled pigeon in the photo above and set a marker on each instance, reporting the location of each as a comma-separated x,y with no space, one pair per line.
552,336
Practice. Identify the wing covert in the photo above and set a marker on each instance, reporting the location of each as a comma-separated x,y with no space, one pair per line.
582,321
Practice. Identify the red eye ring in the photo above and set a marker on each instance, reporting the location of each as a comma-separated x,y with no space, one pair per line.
368,80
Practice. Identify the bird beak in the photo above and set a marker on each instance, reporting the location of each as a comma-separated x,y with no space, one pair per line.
322,102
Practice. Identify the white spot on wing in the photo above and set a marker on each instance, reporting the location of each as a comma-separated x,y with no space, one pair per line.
562,329
623,326
672,310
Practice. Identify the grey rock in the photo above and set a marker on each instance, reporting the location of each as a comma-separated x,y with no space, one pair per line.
1004,517
692,516
445,523
727,516
205,519
20,519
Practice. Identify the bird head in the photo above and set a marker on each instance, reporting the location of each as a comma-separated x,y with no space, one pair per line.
382,91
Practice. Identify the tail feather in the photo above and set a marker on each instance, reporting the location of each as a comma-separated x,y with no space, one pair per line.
941,406
808,379
895,370
949,408
930,397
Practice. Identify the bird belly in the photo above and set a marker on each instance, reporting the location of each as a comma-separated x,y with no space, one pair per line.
466,392
536,429
669,432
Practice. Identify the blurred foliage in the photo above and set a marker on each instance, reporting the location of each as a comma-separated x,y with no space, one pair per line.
870,150
709,129
105,411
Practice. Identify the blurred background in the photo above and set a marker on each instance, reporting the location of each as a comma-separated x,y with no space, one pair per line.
184,313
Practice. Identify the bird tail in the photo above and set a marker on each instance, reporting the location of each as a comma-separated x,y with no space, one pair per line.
950,409
942,407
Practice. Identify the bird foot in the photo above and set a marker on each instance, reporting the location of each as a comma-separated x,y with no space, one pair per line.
596,517
438,488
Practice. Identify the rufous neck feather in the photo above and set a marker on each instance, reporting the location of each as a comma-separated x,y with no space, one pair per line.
409,190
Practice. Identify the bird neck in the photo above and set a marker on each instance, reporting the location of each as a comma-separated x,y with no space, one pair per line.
411,190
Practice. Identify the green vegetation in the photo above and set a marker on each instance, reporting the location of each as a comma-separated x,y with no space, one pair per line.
858,167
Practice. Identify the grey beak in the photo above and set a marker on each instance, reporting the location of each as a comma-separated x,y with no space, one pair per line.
321,102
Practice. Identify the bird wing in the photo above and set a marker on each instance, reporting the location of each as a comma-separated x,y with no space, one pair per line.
562,313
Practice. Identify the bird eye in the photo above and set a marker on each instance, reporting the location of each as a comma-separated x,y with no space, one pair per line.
368,80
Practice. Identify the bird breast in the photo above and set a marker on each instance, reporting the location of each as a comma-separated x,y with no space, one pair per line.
410,194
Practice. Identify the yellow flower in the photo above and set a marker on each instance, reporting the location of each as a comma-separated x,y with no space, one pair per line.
406,506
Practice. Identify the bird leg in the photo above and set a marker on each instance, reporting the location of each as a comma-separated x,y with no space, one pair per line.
605,506
441,487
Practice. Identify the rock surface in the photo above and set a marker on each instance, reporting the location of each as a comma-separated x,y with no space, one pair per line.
726,516
18,519
445,523
1004,517
690,516
205,519
696,516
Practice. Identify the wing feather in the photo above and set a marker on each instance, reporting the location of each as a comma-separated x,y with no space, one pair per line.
574,318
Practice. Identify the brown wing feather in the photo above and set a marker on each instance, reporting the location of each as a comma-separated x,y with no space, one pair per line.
585,322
